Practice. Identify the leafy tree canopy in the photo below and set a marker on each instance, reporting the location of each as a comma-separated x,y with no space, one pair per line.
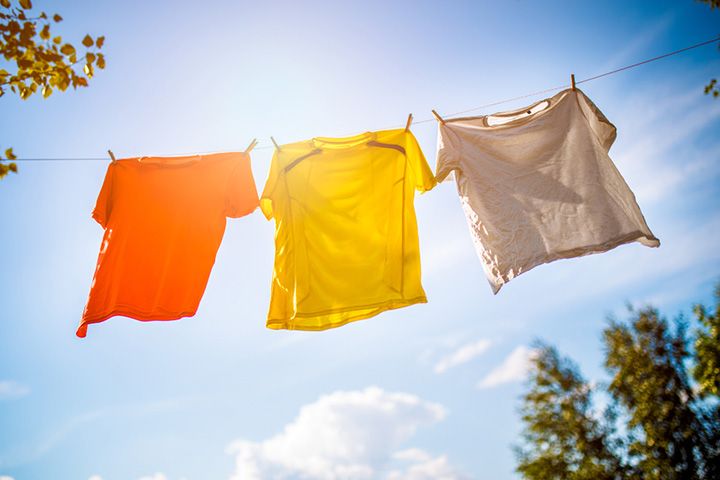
39,61
661,422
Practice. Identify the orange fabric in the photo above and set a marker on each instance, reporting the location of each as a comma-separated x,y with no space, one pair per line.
164,219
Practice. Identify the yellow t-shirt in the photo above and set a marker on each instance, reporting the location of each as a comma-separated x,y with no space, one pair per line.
346,241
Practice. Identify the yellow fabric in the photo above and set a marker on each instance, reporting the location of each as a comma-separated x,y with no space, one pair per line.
346,241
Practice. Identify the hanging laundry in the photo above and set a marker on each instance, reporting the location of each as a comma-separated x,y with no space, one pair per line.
164,219
537,184
346,240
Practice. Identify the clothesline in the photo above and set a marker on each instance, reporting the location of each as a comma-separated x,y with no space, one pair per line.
347,244
447,116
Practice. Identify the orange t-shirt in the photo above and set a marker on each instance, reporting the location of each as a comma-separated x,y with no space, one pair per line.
164,219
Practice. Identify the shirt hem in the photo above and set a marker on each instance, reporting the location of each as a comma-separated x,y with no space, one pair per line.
129,313
378,308
643,238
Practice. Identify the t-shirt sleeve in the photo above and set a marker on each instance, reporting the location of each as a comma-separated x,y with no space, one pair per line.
103,204
242,197
422,174
447,157
604,131
266,200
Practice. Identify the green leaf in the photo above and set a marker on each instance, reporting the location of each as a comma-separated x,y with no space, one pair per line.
100,42
57,18
88,41
26,4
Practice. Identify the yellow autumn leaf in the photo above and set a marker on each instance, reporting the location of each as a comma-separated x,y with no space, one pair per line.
45,32
46,91
26,4
88,41
100,42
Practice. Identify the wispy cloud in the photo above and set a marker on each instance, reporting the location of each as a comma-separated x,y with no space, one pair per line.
11,390
156,476
445,250
635,47
23,454
350,435
462,355
660,140
513,369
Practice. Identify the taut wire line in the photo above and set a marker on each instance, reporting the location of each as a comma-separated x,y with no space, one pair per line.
427,120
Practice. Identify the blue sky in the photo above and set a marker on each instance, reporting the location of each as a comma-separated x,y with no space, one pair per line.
425,392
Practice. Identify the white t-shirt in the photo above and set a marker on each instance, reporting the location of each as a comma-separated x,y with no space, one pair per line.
537,184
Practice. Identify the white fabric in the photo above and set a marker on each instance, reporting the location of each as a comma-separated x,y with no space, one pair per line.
537,184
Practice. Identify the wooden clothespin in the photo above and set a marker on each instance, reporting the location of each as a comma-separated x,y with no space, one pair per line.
438,117
277,147
112,156
572,81
409,122
251,146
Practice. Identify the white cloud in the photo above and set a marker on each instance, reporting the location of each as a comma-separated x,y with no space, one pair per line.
349,435
424,467
462,355
157,476
513,368
5,477
10,389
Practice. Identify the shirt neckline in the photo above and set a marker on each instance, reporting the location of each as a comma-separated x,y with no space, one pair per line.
552,103
343,143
